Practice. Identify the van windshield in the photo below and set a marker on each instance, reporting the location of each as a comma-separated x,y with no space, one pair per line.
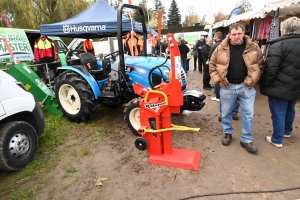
60,46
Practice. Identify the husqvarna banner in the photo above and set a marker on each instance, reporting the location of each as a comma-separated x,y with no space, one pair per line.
18,43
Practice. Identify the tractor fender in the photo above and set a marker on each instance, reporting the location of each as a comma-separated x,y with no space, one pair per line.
87,76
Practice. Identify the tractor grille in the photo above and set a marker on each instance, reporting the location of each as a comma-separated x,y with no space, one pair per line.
183,77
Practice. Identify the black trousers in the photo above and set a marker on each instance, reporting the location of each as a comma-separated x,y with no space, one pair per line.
200,62
195,62
206,76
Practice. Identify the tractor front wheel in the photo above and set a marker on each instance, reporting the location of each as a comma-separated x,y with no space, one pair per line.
132,115
75,97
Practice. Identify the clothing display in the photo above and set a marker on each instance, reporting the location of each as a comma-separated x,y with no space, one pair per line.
45,50
255,29
133,44
264,28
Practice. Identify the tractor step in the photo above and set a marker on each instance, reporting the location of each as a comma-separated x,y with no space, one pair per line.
109,94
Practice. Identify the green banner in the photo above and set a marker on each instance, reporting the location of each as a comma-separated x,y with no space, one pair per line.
18,43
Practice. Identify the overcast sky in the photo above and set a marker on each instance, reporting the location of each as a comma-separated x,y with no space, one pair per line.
202,7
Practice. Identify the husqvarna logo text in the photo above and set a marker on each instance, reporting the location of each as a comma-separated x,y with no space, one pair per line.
155,105
74,28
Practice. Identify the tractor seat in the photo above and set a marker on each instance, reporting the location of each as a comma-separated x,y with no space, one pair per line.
90,62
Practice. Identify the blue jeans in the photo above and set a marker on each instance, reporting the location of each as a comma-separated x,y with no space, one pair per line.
238,93
283,115
235,110
184,63
217,92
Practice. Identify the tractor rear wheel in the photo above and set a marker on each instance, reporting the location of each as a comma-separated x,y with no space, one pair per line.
132,115
75,96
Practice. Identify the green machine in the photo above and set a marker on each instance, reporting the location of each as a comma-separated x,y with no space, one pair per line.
33,84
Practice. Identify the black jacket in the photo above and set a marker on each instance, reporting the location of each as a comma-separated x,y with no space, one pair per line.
281,75
184,49
213,47
205,53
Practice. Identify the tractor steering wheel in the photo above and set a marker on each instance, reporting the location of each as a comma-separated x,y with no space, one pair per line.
112,55
74,52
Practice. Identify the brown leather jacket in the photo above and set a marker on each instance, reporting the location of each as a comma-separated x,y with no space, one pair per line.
253,58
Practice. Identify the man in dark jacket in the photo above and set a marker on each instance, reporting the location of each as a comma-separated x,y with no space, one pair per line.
199,46
281,80
205,54
184,49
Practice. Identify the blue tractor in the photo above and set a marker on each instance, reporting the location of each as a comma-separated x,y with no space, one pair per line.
87,82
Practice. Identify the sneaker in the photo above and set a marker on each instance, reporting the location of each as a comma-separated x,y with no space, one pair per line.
215,99
227,139
220,118
250,147
268,138
235,117
287,136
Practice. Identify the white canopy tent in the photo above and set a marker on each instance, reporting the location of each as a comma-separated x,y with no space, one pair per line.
286,7
245,16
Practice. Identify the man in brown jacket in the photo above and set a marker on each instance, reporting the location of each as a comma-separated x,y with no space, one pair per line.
236,65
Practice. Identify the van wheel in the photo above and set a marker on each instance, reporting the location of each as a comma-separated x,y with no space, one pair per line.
18,144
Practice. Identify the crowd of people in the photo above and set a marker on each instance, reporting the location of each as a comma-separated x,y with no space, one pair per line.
236,64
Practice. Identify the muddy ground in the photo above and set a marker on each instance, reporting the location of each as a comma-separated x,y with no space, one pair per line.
222,169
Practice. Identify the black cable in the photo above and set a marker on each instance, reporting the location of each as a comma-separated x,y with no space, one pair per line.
244,192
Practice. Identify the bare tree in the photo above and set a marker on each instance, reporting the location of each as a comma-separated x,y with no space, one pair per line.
245,6
191,17
220,16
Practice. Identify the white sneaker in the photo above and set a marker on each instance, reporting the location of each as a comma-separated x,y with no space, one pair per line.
287,136
268,138
215,99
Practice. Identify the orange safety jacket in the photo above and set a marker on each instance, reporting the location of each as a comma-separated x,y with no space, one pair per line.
133,44
45,50
88,46
150,36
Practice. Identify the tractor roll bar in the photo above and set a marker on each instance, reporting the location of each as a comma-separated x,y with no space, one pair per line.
119,34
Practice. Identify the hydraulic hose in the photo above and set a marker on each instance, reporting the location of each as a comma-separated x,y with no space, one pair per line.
154,68
242,192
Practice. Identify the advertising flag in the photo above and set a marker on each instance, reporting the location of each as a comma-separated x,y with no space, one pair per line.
203,19
234,13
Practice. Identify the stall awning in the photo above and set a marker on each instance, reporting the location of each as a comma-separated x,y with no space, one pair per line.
209,26
246,16
286,7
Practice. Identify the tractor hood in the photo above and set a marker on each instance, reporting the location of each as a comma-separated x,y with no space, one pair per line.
145,62
140,67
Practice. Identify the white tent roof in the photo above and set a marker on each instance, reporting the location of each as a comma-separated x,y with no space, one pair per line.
248,15
208,26
286,7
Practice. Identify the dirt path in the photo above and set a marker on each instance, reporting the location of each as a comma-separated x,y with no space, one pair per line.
222,169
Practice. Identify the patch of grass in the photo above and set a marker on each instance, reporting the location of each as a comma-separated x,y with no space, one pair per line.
86,152
57,129
69,171
23,195
52,146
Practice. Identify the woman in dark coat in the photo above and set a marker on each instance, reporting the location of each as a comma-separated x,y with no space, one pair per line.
280,80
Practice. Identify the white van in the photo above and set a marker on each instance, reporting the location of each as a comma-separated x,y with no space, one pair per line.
21,42
191,37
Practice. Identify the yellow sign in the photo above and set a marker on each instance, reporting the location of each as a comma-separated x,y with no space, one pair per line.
27,87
